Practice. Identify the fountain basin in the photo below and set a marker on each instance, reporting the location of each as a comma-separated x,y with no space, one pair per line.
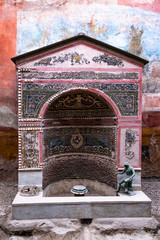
40,207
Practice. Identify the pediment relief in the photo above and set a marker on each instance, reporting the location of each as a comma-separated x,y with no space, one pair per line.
79,50
79,56
75,58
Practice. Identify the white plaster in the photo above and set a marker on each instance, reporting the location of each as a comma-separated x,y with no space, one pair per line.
30,177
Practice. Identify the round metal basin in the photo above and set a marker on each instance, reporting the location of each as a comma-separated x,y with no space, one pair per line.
79,190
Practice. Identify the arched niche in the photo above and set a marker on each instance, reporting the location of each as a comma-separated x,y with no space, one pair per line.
79,138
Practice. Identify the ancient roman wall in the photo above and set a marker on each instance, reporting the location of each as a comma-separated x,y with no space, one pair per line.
131,25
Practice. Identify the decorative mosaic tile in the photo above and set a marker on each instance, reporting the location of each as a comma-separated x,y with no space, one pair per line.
79,105
77,58
130,140
127,102
73,58
110,60
63,86
32,102
93,140
124,95
129,146
86,75
30,149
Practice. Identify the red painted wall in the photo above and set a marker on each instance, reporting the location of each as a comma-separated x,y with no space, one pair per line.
8,30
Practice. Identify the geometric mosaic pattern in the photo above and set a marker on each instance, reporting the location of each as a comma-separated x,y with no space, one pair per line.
30,149
63,86
127,102
92,75
124,95
32,102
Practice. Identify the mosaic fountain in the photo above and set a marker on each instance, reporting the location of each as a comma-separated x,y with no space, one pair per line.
79,120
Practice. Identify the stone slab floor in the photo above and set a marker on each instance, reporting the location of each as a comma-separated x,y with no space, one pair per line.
67,229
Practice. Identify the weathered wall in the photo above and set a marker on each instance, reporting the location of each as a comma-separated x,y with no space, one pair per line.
132,25
8,103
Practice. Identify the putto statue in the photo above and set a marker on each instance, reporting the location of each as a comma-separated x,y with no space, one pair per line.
126,182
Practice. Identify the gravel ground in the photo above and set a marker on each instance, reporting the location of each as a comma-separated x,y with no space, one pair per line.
8,190
151,187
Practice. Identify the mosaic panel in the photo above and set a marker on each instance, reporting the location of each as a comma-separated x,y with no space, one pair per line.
73,58
78,100
110,60
61,86
127,102
35,94
93,140
129,147
30,149
86,75
76,58
79,105
32,102
130,140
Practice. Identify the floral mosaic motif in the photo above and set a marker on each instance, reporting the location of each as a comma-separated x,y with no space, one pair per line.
83,140
127,102
80,75
110,60
130,139
73,58
32,103
79,105
78,101
30,149
125,96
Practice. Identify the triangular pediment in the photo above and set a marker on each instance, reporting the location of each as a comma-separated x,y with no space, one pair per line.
80,52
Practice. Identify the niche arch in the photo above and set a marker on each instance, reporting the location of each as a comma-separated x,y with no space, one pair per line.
79,136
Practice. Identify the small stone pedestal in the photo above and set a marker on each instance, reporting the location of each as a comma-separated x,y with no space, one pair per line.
79,190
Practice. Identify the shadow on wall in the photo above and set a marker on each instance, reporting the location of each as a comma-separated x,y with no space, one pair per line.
8,153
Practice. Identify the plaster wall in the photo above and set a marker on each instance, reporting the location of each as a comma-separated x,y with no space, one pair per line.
131,25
